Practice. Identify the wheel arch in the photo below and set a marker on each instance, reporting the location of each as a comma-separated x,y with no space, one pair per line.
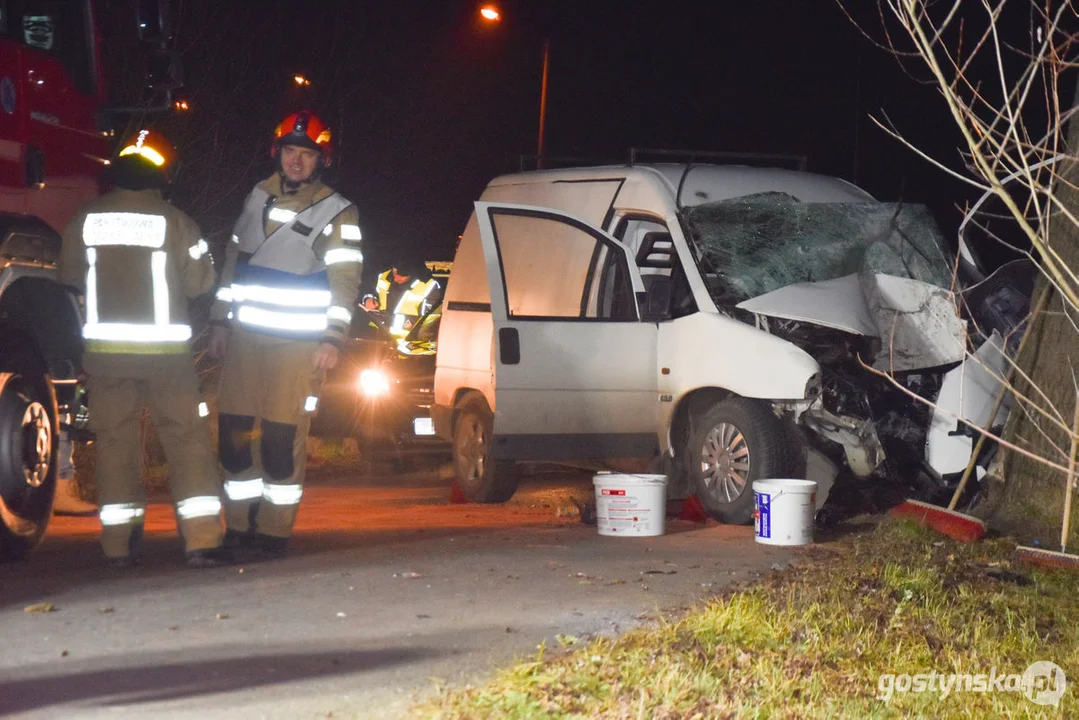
692,403
460,396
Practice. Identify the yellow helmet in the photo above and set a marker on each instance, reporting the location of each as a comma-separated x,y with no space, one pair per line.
153,147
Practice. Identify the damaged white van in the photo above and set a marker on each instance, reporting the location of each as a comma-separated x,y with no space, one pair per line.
710,320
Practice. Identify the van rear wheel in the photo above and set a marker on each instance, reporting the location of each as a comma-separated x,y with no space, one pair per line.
733,443
482,479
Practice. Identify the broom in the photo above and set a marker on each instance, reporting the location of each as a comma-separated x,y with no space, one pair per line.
957,525
1047,558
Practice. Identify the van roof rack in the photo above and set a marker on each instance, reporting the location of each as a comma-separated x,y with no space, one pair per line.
640,155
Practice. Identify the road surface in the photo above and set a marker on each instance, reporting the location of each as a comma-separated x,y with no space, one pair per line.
389,590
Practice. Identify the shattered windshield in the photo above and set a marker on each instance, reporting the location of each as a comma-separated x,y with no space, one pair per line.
753,245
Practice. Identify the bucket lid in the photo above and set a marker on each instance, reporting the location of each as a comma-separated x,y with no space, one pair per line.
788,484
607,478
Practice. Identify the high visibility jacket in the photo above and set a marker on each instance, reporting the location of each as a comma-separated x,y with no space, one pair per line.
293,267
137,260
382,287
417,300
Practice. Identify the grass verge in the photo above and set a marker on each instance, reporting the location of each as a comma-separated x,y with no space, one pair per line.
815,641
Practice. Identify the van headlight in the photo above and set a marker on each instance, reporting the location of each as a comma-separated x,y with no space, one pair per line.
374,383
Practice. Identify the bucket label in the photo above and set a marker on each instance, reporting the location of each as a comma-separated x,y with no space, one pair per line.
762,519
618,493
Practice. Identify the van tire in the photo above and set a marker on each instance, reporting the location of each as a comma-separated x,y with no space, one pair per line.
28,454
720,438
482,479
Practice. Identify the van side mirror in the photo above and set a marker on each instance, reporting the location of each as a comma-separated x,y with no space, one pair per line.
154,22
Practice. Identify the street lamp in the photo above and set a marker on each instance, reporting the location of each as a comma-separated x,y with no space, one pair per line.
300,80
491,14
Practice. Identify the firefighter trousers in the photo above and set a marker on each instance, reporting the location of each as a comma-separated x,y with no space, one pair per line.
268,394
120,388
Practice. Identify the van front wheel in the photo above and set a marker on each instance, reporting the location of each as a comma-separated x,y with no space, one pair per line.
733,443
482,479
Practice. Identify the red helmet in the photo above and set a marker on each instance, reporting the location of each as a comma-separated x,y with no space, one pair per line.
304,129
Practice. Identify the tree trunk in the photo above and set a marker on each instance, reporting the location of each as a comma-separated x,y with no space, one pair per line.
1028,498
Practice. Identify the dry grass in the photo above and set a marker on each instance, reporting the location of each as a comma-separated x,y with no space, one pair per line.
813,642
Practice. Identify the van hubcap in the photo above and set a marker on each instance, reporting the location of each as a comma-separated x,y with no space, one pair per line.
725,462
472,451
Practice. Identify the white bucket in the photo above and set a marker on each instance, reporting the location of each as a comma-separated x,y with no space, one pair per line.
784,511
630,504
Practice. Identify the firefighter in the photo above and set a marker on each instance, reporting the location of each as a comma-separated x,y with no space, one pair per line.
410,290
137,260
422,294
288,288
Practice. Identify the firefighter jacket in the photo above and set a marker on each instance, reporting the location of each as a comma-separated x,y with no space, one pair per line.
414,303
382,287
137,260
293,267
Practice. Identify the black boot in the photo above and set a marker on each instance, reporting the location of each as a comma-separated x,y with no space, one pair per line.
210,557
268,547
239,541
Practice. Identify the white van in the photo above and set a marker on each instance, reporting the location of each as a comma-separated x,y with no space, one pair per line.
707,319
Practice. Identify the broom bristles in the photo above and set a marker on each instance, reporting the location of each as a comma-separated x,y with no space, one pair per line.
1046,558
955,525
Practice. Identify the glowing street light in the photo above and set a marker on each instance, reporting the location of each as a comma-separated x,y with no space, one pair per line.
182,105
490,14
300,80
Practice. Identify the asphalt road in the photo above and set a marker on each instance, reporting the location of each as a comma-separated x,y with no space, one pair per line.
389,591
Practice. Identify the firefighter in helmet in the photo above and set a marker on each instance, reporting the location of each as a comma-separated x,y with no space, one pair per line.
288,289
137,260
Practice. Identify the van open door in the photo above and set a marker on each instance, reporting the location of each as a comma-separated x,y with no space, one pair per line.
575,369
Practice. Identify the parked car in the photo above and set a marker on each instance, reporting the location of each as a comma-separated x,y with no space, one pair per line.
710,320
381,393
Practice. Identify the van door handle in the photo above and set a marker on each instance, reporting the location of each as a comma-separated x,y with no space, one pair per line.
509,346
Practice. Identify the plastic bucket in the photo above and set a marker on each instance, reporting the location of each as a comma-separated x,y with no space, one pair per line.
784,511
630,505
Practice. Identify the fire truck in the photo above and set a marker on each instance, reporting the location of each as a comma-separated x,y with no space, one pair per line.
56,135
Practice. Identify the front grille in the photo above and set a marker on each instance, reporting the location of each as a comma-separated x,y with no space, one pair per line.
419,396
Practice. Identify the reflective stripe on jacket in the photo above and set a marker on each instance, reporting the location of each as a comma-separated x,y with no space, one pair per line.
292,269
137,260
412,305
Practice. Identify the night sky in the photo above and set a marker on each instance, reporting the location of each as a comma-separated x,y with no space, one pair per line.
429,102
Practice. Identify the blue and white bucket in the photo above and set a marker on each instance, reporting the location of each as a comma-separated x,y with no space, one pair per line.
784,511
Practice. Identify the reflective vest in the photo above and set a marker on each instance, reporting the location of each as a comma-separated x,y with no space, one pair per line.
280,287
411,306
136,243
382,287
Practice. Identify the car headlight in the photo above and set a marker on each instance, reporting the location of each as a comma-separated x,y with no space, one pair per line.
374,383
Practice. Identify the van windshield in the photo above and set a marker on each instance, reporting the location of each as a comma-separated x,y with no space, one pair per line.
755,244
